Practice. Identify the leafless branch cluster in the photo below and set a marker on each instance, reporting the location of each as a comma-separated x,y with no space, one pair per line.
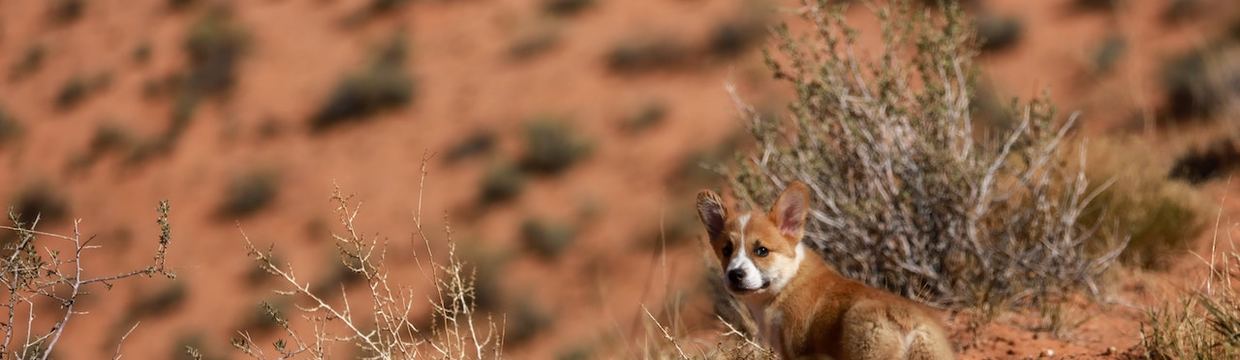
36,269
384,328
910,193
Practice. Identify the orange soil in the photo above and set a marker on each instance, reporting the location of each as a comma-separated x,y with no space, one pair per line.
467,82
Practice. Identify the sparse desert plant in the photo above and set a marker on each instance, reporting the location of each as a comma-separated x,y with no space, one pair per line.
736,35
906,196
10,128
141,54
479,142
382,6
996,33
66,11
1180,10
77,88
1097,4
382,85
30,62
551,146
1197,83
381,328
545,238
1109,53
501,182
566,7
647,53
649,115
534,40
72,92
158,302
40,267
1205,324
1160,217
249,193
526,320
1202,164
180,4
39,201
214,45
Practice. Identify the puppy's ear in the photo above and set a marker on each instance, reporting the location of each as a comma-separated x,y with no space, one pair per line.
790,210
712,212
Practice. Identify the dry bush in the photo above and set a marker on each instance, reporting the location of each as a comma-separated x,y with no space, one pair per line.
10,128
908,194
39,268
1206,323
384,327
1160,217
382,85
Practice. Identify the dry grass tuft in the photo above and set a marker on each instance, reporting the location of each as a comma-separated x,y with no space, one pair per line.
1206,323
383,328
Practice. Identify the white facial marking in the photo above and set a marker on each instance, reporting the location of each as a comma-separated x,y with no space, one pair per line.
753,277
784,268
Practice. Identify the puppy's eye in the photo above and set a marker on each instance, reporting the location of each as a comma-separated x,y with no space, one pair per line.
727,250
761,251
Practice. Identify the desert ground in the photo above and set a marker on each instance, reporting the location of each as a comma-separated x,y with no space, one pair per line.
239,114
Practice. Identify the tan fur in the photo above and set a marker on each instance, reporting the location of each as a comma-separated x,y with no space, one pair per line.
811,309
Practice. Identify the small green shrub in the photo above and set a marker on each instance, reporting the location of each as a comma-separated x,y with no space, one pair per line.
647,53
30,62
546,239
67,11
1180,10
72,92
78,87
648,116
737,35
1198,82
382,85
160,302
249,193
10,128
39,200
1097,4
382,6
142,53
480,142
487,267
1203,164
526,320
180,4
551,146
997,33
536,40
566,7
214,45
500,183
1109,53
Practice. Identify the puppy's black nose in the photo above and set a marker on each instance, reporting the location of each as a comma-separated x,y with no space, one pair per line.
735,275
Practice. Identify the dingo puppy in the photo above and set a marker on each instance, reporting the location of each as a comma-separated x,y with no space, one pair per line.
804,307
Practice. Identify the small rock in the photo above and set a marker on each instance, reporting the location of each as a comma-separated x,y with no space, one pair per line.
1047,353
1110,351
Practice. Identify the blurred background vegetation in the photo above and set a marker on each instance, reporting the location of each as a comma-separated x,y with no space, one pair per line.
569,137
